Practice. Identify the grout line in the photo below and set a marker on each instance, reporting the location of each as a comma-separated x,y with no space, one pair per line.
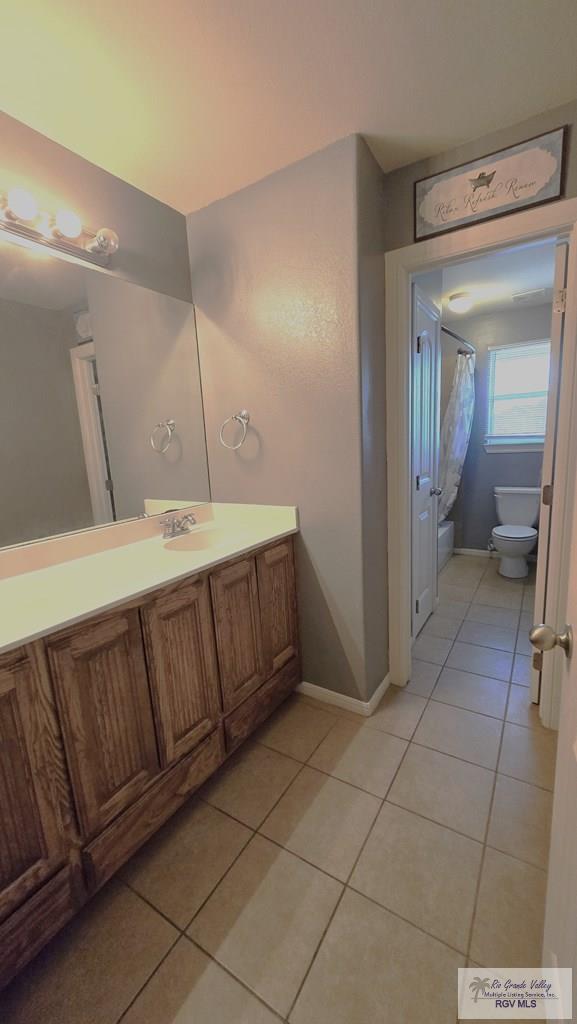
197,945
149,979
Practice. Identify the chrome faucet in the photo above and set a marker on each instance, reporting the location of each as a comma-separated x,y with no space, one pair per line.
174,525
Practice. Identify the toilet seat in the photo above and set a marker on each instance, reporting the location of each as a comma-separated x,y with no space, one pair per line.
515,533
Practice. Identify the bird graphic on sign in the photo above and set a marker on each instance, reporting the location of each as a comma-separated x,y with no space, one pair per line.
483,180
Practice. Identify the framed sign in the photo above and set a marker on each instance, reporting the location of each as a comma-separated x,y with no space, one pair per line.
512,179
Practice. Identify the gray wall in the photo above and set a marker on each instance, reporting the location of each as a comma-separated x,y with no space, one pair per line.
474,511
44,484
153,249
399,213
147,361
284,278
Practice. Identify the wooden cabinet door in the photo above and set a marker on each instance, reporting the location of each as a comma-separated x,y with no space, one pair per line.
238,631
183,672
101,684
33,843
277,596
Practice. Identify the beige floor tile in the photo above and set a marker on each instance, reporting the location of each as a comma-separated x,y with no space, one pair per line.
450,791
442,626
497,637
526,619
399,712
424,675
529,599
373,968
521,670
323,820
529,755
91,971
498,597
189,988
365,757
422,871
473,692
460,733
508,926
481,660
180,866
249,785
523,645
325,707
521,820
432,648
266,919
455,592
452,609
461,576
296,729
520,709
507,618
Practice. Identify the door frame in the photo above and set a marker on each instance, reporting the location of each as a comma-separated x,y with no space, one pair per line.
94,457
401,265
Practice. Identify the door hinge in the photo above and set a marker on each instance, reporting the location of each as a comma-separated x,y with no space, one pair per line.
418,344
109,485
418,483
560,300
538,661
547,495
417,606
95,390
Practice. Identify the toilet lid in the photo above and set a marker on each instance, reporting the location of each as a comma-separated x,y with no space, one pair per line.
515,532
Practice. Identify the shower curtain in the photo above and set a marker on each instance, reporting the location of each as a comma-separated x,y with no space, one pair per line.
456,431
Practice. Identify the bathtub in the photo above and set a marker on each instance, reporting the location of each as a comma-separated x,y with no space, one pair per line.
445,542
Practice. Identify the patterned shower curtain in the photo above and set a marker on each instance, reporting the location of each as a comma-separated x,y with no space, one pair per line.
456,432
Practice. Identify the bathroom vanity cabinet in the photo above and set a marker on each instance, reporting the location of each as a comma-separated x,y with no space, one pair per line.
107,726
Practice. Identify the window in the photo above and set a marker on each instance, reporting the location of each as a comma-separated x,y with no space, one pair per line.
518,385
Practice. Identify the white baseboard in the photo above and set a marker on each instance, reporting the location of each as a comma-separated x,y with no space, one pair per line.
483,553
341,700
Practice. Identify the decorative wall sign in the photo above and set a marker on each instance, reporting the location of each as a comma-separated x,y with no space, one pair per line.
512,179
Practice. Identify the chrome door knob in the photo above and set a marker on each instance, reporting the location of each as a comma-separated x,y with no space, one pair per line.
436,492
544,638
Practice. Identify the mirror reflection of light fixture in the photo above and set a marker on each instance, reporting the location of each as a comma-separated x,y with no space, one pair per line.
460,302
64,231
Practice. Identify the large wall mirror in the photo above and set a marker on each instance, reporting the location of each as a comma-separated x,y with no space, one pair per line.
89,365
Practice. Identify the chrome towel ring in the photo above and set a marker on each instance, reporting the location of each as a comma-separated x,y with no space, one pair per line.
157,441
241,417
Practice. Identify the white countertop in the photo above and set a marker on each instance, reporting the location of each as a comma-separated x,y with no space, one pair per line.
35,604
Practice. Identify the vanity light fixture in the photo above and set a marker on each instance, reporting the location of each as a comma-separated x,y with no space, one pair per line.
20,216
460,302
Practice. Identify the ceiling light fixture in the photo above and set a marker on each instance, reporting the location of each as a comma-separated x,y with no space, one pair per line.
460,302
63,231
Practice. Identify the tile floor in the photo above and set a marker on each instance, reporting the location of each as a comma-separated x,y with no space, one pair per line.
337,870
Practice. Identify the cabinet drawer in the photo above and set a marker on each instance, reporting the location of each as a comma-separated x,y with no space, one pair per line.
100,679
182,666
121,839
238,631
257,708
30,927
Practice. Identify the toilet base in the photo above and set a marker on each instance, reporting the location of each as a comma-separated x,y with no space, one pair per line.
514,568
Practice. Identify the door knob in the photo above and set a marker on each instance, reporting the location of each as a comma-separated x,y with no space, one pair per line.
436,492
544,638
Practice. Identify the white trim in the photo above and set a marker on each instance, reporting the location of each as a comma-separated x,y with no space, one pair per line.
340,700
482,553
509,448
534,225
80,357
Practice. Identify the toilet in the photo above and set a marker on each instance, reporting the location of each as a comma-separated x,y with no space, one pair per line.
515,538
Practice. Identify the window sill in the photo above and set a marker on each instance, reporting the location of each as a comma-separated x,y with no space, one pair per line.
512,447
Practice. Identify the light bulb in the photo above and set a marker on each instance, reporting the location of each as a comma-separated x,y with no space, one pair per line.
68,224
21,204
460,302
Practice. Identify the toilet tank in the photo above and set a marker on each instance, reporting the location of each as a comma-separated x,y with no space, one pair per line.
518,506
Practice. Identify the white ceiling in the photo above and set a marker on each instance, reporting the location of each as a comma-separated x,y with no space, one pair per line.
493,280
193,99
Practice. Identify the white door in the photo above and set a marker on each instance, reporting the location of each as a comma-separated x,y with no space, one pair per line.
426,354
542,677
560,939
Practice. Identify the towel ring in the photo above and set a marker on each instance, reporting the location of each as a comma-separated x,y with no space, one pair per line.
241,417
156,443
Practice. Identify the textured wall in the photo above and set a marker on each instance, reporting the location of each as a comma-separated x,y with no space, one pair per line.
276,284
44,483
474,510
153,249
148,368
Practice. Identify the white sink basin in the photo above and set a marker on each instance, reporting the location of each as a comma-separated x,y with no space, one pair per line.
198,540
